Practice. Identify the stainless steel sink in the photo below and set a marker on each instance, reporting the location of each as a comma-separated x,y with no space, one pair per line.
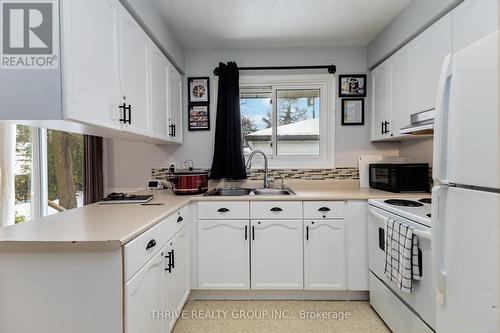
227,192
273,191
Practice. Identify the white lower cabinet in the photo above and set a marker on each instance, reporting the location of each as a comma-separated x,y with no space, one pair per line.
155,295
176,282
144,293
324,255
223,254
276,254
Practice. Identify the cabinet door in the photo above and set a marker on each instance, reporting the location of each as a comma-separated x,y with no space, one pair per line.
223,254
324,255
277,254
134,55
380,101
144,293
399,91
357,244
176,104
160,80
179,277
427,52
91,86
473,20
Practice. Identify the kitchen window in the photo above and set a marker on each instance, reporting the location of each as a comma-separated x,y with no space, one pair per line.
48,172
290,118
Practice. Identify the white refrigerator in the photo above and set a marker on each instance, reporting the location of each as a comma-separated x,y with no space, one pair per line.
466,196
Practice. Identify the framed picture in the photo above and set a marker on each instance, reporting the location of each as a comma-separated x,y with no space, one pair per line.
353,111
352,85
199,117
199,89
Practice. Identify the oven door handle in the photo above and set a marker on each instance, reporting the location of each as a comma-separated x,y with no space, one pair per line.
417,232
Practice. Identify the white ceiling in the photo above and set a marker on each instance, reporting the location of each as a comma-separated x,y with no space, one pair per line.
237,24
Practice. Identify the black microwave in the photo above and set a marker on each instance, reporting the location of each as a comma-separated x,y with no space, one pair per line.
400,177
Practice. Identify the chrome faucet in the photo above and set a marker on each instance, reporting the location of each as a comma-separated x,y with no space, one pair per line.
266,170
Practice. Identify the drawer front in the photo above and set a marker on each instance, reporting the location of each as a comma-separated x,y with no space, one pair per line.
324,209
276,210
139,250
223,210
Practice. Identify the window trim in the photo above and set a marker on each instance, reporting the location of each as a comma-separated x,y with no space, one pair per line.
326,84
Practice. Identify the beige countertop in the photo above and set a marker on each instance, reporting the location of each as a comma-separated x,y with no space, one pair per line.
111,226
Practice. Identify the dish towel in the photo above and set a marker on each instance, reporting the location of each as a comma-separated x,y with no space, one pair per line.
401,255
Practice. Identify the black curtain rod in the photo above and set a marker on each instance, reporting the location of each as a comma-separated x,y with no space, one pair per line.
332,69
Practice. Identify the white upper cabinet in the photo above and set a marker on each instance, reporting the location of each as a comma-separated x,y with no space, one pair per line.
160,102
380,102
175,120
427,52
113,80
472,20
134,65
406,83
91,78
399,88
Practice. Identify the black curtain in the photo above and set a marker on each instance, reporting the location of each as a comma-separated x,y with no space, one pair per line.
228,159
93,174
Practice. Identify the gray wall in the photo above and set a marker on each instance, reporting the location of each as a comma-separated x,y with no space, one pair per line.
198,146
150,18
413,19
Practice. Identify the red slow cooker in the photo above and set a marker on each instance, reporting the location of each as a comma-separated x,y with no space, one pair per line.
189,181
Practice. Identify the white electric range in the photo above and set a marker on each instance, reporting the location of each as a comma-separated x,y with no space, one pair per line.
402,312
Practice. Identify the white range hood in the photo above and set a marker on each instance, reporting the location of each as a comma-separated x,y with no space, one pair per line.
422,123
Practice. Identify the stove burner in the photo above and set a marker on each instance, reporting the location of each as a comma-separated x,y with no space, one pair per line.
428,215
405,203
426,200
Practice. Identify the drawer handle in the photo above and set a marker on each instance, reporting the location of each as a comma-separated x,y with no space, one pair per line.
223,210
307,232
151,244
276,209
180,219
324,209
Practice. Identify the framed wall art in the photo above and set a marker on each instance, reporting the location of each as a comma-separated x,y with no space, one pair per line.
199,117
199,89
353,111
352,85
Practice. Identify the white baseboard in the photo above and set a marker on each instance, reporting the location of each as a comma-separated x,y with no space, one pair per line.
316,295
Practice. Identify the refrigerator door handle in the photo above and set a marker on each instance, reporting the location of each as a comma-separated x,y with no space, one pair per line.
440,122
438,235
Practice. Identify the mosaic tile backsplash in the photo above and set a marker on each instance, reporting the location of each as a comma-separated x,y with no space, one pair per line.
306,174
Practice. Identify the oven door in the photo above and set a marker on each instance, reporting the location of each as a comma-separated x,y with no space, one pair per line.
422,299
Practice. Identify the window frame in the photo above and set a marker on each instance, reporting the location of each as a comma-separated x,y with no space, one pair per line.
326,84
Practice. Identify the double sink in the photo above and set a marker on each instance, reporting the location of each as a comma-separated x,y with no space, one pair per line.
229,192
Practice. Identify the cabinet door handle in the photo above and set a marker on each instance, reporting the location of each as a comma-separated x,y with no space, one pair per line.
123,108
276,209
253,232
307,232
381,127
324,209
175,134
151,244
173,259
246,232
170,257
180,219
223,210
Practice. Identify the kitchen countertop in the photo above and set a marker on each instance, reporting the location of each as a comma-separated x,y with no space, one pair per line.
111,226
